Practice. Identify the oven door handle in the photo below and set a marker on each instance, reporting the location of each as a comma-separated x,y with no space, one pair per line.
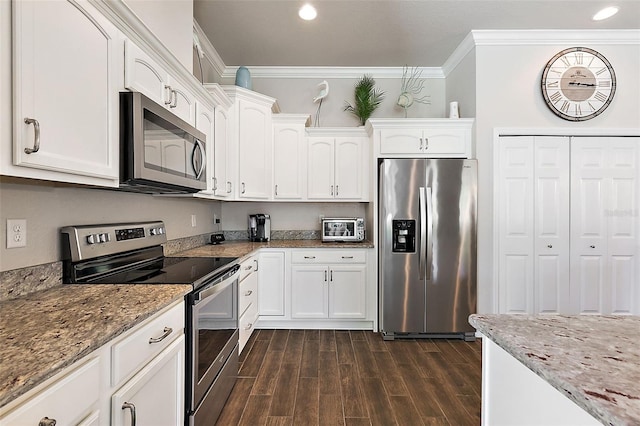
216,286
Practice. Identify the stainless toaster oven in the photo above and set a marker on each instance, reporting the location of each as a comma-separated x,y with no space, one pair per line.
349,229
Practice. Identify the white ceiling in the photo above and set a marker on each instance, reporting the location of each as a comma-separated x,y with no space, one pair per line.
382,33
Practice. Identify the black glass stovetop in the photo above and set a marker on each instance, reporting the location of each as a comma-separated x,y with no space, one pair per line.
165,270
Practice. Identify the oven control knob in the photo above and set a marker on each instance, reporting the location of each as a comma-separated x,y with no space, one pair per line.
103,237
153,231
91,239
160,231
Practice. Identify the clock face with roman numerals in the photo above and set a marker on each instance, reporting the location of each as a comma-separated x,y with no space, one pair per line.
578,84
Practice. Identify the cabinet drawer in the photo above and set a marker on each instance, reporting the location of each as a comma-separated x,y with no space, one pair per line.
247,324
134,350
329,256
247,268
69,400
248,293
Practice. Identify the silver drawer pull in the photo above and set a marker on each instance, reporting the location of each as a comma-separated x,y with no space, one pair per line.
36,137
248,327
549,245
130,406
347,257
249,293
309,257
167,331
46,421
248,268
592,246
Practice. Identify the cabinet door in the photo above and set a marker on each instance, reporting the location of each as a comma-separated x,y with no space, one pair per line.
309,297
271,283
349,162
222,185
446,142
66,80
289,160
551,228
401,141
255,150
320,165
156,392
347,291
205,118
183,103
516,224
143,74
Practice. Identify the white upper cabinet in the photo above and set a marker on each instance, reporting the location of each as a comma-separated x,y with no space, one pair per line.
145,75
426,138
205,122
338,166
289,156
66,62
252,138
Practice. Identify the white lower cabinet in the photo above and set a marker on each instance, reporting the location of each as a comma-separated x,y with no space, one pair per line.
247,299
154,396
141,370
72,399
329,284
271,280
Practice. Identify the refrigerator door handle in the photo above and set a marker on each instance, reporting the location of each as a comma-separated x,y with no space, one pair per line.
423,232
429,234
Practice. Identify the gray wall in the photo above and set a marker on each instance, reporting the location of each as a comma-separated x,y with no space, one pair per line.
47,206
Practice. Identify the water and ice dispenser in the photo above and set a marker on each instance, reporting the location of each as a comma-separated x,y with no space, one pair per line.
404,236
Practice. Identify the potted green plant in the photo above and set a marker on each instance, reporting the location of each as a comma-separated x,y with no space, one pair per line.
367,99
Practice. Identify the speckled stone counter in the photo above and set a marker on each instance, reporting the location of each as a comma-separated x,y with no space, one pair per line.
44,332
243,248
592,360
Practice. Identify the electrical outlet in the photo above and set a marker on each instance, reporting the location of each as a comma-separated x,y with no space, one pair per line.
16,233
216,219
193,220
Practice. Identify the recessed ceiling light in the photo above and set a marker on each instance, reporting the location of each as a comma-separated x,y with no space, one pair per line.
605,13
307,12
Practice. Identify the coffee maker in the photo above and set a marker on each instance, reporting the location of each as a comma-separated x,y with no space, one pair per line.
259,227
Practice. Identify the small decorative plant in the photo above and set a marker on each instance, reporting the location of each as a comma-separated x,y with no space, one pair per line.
367,99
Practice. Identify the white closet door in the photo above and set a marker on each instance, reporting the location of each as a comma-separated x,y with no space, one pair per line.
551,241
516,227
604,232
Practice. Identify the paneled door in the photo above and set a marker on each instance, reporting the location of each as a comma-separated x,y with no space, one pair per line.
605,269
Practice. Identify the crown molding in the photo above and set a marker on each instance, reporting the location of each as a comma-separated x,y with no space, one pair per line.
554,37
210,53
331,72
464,48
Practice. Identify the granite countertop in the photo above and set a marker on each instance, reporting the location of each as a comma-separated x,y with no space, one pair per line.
42,333
243,248
592,360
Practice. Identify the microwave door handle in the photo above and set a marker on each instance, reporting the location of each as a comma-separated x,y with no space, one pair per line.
200,149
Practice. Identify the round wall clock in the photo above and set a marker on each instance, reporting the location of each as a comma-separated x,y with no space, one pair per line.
578,84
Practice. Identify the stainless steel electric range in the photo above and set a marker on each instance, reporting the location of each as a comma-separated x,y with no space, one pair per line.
132,253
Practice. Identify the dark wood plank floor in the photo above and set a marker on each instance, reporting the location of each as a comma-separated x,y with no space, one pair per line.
352,378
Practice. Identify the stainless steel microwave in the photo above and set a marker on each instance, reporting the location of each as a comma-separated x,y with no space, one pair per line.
159,152
343,229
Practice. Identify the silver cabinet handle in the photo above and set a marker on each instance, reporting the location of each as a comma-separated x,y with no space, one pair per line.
332,190
347,257
248,293
309,257
243,188
215,183
336,190
426,144
36,135
325,275
169,91
248,327
228,187
46,421
248,268
276,190
198,161
165,332
175,99
549,245
256,260
130,406
592,246
331,276
420,144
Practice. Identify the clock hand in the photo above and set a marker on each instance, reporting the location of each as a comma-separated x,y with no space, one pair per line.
576,83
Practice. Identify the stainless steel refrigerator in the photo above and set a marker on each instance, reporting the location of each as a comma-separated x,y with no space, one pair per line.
427,247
